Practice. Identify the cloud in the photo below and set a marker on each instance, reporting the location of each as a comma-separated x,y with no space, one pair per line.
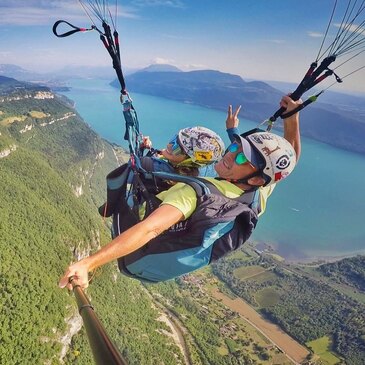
195,66
31,12
276,41
162,61
315,34
353,28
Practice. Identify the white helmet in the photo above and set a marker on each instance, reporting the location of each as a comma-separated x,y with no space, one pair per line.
201,144
273,155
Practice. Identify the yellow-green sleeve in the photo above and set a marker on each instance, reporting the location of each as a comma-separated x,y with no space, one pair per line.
180,196
265,192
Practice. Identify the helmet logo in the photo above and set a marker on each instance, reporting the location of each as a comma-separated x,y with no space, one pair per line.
280,175
261,137
268,152
283,162
203,155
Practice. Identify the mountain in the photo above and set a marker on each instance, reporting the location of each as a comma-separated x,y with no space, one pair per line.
56,83
9,85
57,80
347,101
212,89
17,72
341,124
65,73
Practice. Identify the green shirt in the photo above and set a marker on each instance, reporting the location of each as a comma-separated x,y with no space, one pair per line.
183,197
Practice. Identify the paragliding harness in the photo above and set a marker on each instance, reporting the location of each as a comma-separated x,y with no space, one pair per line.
218,226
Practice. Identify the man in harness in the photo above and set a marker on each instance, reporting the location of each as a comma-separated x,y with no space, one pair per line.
254,162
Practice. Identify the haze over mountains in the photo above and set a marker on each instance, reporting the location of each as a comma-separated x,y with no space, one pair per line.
60,76
336,119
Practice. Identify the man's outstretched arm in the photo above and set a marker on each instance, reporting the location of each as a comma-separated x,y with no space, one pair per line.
129,241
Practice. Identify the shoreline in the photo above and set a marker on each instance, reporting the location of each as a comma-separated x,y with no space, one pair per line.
318,260
314,259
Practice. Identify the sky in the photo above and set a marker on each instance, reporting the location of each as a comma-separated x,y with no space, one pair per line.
256,39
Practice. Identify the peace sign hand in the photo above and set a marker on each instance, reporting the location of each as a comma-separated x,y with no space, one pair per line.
232,120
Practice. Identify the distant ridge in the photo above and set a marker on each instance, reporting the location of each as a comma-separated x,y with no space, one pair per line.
338,124
17,72
208,88
22,75
8,81
10,85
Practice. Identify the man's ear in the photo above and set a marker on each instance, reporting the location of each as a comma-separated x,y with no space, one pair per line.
256,181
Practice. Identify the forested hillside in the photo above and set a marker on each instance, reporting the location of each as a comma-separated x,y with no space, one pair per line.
52,177
347,271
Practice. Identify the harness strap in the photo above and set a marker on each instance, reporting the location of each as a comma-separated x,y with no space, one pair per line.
251,198
199,185
131,124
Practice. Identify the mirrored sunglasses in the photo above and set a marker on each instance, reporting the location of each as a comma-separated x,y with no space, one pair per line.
240,158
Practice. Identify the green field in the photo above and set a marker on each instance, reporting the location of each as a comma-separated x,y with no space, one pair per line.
37,114
321,347
239,255
10,120
267,297
264,277
246,272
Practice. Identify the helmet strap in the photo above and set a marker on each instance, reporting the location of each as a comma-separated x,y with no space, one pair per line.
188,162
245,180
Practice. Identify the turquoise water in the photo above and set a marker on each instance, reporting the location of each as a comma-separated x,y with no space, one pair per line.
317,212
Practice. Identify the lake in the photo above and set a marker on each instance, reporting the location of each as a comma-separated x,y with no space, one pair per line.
316,213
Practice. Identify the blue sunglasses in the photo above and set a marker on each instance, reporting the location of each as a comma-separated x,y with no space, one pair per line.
175,146
240,158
